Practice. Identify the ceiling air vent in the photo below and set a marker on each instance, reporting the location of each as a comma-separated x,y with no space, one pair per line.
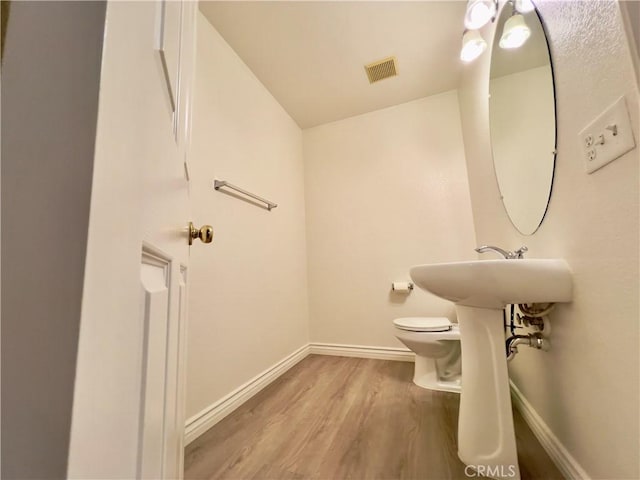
381,69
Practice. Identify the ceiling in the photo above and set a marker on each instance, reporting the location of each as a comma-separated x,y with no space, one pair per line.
311,54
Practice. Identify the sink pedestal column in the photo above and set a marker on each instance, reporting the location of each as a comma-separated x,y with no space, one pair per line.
486,437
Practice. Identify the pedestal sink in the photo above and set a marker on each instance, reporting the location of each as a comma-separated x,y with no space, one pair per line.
481,289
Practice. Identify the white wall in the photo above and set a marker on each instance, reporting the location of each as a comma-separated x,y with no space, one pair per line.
586,387
385,190
248,289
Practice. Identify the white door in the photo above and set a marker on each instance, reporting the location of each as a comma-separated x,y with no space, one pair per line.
128,412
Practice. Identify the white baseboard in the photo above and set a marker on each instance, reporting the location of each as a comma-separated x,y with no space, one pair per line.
568,466
207,418
359,351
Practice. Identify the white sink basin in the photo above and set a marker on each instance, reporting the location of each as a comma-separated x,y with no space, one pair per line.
496,283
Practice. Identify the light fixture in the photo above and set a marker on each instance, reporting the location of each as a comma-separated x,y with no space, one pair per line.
515,32
479,13
472,45
524,6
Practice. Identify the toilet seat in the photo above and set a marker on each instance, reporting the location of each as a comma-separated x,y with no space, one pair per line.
423,324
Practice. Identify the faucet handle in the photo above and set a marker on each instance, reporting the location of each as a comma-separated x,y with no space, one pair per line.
519,253
508,255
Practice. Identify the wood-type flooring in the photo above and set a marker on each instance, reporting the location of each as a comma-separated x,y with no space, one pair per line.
335,418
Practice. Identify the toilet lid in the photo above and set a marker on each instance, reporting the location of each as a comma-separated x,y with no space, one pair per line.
423,324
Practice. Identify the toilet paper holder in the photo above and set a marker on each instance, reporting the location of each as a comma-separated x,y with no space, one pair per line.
405,287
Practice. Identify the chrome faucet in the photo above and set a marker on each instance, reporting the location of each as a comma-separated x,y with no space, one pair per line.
519,253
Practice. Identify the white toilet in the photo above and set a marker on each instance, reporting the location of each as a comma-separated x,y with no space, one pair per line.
436,343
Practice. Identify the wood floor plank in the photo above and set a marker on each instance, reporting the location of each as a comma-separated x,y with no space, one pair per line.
345,418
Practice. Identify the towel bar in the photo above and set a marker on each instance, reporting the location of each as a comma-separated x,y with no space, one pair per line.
218,184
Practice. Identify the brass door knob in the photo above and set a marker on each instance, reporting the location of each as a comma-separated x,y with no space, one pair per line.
205,233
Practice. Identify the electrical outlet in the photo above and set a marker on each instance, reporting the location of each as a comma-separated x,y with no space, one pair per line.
607,137
588,140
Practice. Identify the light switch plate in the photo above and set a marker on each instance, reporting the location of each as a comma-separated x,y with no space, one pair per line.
606,138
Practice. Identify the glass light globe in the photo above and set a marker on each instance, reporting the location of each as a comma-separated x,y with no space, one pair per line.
472,46
515,32
479,13
524,6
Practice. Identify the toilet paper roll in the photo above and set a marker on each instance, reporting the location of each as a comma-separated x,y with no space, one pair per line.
402,287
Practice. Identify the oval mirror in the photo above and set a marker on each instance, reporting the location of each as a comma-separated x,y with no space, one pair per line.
522,119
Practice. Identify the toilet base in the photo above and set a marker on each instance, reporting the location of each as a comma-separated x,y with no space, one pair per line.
426,376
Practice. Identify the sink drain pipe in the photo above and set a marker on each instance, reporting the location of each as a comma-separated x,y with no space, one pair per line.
533,340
